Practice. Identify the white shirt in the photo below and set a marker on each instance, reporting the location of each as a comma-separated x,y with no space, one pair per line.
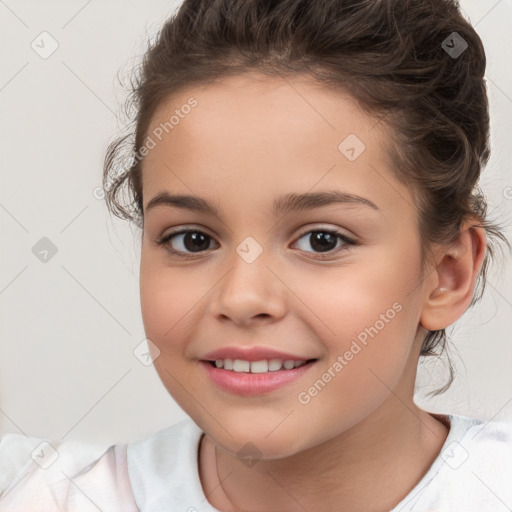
473,473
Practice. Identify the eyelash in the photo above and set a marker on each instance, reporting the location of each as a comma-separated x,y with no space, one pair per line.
349,243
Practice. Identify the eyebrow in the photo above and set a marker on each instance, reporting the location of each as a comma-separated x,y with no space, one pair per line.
283,205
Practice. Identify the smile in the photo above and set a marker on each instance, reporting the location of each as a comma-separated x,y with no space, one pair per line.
249,378
263,366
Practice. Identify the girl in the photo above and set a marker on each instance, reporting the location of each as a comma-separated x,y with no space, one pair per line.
305,176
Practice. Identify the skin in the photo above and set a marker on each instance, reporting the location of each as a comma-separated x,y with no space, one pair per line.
361,441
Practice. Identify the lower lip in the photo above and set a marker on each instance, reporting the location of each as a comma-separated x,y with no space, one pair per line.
249,384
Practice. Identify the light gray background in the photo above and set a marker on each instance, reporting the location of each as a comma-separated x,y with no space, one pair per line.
69,326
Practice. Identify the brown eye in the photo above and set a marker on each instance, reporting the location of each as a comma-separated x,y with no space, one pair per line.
324,241
186,241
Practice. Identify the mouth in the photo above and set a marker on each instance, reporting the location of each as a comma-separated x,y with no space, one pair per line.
255,378
262,366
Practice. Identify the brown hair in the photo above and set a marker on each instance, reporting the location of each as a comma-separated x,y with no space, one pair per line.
397,58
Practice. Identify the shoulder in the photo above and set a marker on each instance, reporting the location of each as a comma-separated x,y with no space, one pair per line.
58,474
157,472
15,456
481,444
163,468
473,471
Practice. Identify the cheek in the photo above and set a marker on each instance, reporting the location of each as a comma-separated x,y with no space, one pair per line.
367,327
167,298
353,298
170,298
367,314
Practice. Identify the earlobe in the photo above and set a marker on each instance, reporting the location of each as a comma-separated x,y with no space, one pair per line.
450,289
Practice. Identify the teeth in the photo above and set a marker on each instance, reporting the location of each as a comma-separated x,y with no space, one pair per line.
241,366
275,364
259,366
263,366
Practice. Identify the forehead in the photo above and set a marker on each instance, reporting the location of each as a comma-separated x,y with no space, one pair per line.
259,135
296,110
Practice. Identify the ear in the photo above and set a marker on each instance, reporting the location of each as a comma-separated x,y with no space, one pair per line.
451,284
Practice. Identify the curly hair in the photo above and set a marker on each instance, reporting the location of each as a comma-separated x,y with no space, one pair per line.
396,58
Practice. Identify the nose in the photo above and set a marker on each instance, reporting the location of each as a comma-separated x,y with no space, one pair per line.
249,292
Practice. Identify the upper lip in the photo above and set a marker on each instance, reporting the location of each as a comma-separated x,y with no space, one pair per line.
251,354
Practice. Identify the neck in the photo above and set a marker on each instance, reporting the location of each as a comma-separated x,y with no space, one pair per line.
370,467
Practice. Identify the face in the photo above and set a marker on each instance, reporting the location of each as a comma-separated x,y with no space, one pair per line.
334,282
